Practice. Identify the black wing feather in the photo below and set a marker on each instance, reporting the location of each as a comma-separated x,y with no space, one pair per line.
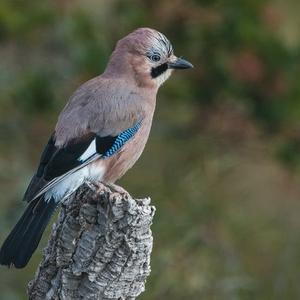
56,161
64,160
47,154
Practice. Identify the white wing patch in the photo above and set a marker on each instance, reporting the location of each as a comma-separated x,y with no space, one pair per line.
90,151
58,179
61,190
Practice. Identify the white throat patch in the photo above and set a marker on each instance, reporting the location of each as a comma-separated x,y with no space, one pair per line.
163,77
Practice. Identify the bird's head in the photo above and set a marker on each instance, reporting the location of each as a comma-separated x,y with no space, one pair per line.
147,55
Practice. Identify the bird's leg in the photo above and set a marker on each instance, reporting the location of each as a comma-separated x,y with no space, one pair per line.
117,188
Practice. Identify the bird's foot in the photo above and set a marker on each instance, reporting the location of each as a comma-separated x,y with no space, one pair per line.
118,189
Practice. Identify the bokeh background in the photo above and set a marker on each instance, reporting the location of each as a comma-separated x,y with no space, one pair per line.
222,163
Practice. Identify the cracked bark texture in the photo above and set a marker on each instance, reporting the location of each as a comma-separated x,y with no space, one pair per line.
99,247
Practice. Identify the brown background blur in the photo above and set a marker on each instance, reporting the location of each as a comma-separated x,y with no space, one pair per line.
222,162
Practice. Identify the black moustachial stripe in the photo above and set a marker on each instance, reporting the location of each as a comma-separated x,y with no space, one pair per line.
155,72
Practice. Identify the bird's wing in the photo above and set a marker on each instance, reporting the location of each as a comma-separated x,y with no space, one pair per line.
58,162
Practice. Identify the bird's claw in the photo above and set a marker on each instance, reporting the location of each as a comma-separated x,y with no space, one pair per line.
116,188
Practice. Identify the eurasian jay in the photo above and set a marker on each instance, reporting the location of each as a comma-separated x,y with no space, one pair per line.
100,134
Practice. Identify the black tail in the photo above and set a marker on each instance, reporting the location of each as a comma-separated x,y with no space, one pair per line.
26,235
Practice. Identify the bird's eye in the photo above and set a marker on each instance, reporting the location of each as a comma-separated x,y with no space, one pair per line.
155,57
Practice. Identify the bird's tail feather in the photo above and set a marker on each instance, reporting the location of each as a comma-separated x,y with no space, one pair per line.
19,246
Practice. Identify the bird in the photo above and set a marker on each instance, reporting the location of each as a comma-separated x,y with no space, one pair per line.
99,135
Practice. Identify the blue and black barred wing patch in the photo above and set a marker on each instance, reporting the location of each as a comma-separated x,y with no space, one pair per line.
121,140
108,145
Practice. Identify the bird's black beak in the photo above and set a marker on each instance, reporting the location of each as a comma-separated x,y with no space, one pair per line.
180,63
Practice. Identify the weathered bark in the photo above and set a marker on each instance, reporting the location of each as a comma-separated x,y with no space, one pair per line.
99,247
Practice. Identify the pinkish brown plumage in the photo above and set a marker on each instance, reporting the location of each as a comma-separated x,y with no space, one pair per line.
100,134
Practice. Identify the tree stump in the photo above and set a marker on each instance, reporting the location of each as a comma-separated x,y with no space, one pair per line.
99,247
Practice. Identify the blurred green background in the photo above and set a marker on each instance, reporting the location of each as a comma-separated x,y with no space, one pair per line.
222,164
